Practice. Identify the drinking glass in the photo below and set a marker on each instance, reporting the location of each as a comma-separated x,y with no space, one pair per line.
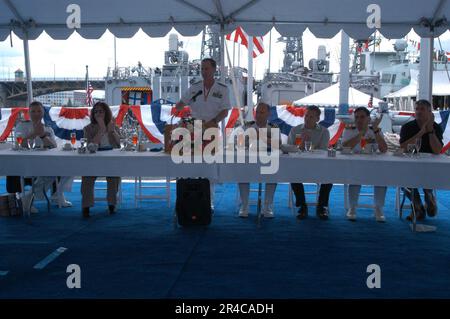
363,143
73,139
135,141
83,142
374,147
241,140
123,143
298,140
410,149
19,140
308,146
418,145
31,143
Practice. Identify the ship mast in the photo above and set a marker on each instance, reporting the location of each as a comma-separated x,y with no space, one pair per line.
292,53
211,44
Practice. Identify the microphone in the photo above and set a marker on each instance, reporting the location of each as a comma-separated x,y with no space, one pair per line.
197,94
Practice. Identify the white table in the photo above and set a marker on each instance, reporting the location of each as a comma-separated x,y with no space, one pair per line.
106,163
427,171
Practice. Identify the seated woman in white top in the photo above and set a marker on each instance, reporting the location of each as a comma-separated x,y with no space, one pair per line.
357,139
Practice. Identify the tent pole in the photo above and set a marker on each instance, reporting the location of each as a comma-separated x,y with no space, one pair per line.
270,50
234,53
234,87
222,52
344,78
239,56
26,51
249,115
426,69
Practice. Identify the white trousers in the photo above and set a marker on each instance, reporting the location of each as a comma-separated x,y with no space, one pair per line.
244,190
354,190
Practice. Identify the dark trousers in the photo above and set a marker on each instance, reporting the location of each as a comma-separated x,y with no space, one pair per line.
414,195
299,192
13,184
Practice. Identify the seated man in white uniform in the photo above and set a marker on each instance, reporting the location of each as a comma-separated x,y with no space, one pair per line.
209,101
358,138
42,136
261,118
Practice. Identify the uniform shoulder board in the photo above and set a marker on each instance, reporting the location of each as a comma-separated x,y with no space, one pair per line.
221,84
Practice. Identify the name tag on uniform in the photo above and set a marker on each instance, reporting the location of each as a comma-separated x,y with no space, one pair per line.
217,95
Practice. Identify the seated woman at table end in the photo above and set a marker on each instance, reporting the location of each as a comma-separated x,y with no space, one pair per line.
103,132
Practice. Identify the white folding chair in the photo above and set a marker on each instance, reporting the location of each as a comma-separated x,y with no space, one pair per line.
140,186
361,194
250,201
103,188
33,194
400,206
291,197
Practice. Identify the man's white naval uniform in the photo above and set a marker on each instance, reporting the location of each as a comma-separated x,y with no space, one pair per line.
207,104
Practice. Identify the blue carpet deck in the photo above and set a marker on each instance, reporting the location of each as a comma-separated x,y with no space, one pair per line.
137,253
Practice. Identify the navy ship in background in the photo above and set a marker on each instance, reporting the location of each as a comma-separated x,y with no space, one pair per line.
377,73
139,85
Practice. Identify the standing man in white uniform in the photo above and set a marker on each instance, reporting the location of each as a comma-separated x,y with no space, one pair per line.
209,100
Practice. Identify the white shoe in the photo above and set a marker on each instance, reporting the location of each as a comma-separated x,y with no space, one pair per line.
268,211
268,214
243,212
351,214
64,203
379,215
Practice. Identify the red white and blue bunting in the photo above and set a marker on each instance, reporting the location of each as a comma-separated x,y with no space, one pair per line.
152,119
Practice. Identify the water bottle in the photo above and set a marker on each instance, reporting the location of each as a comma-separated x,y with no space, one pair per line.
343,109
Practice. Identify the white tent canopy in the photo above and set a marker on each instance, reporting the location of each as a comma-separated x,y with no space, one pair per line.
325,18
441,85
330,97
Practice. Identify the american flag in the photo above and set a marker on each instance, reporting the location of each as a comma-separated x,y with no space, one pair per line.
448,55
370,104
239,36
89,91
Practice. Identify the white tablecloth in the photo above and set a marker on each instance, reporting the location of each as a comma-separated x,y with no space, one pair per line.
106,163
427,171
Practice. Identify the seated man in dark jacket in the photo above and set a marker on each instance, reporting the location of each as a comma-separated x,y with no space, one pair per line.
430,137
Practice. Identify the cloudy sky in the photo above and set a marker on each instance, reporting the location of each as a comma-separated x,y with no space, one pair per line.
68,58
